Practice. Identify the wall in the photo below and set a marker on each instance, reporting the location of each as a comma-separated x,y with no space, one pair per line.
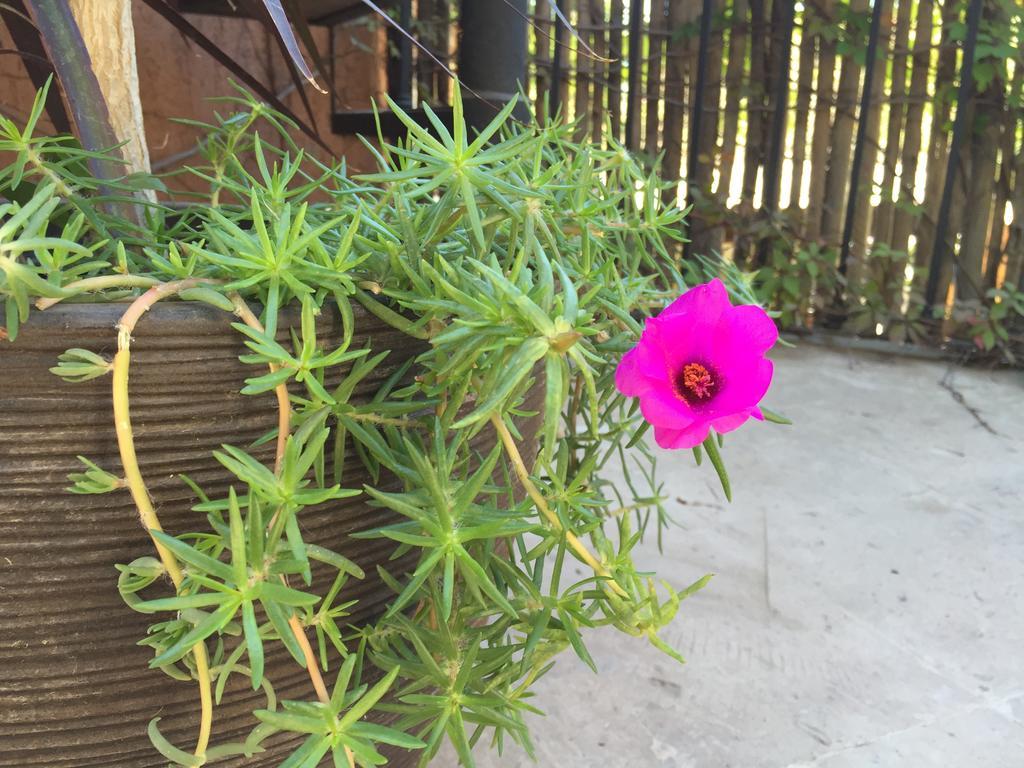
177,80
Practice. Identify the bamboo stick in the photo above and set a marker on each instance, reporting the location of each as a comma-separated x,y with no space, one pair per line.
998,240
903,216
754,151
941,266
865,182
675,84
984,149
656,41
735,55
838,175
881,228
824,97
706,235
938,141
1015,232
804,90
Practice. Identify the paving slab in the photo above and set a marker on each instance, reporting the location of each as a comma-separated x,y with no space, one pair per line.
867,607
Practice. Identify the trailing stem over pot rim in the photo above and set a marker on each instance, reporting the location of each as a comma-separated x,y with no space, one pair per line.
524,261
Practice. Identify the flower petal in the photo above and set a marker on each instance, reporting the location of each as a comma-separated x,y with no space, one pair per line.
662,408
651,360
709,300
743,389
682,338
627,378
752,324
729,423
681,438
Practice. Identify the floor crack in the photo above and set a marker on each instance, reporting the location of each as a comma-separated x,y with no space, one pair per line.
947,384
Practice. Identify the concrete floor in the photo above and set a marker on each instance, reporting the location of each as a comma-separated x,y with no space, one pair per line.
868,603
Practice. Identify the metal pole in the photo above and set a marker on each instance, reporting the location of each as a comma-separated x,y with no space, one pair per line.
772,168
636,10
697,108
492,57
862,127
615,29
555,95
959,126
403,94
776,148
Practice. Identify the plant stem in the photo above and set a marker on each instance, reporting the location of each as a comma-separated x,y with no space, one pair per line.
284,411
55,178
137,486
122,414
524,477
100,283
221,164
284,406
374,419
311,664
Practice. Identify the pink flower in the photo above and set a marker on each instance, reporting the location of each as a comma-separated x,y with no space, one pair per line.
699,364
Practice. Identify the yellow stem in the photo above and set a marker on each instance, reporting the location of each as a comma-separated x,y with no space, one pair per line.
284,411
284,405
137,486
538,499
37,162
205,697
311,663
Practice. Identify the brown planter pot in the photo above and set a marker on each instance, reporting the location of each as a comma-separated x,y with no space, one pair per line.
75,689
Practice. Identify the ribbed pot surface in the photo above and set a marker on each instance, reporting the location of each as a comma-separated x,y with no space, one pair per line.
75,689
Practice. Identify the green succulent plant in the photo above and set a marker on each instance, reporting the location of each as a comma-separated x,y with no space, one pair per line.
521,258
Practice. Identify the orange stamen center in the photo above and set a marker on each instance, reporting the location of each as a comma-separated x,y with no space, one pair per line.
696,383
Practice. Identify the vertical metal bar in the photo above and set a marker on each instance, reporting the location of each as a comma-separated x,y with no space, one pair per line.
492,57
615,68
755,145
697,107
959,125
539,64
403,94
554,96
776,139
636,10
862,127
444,84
